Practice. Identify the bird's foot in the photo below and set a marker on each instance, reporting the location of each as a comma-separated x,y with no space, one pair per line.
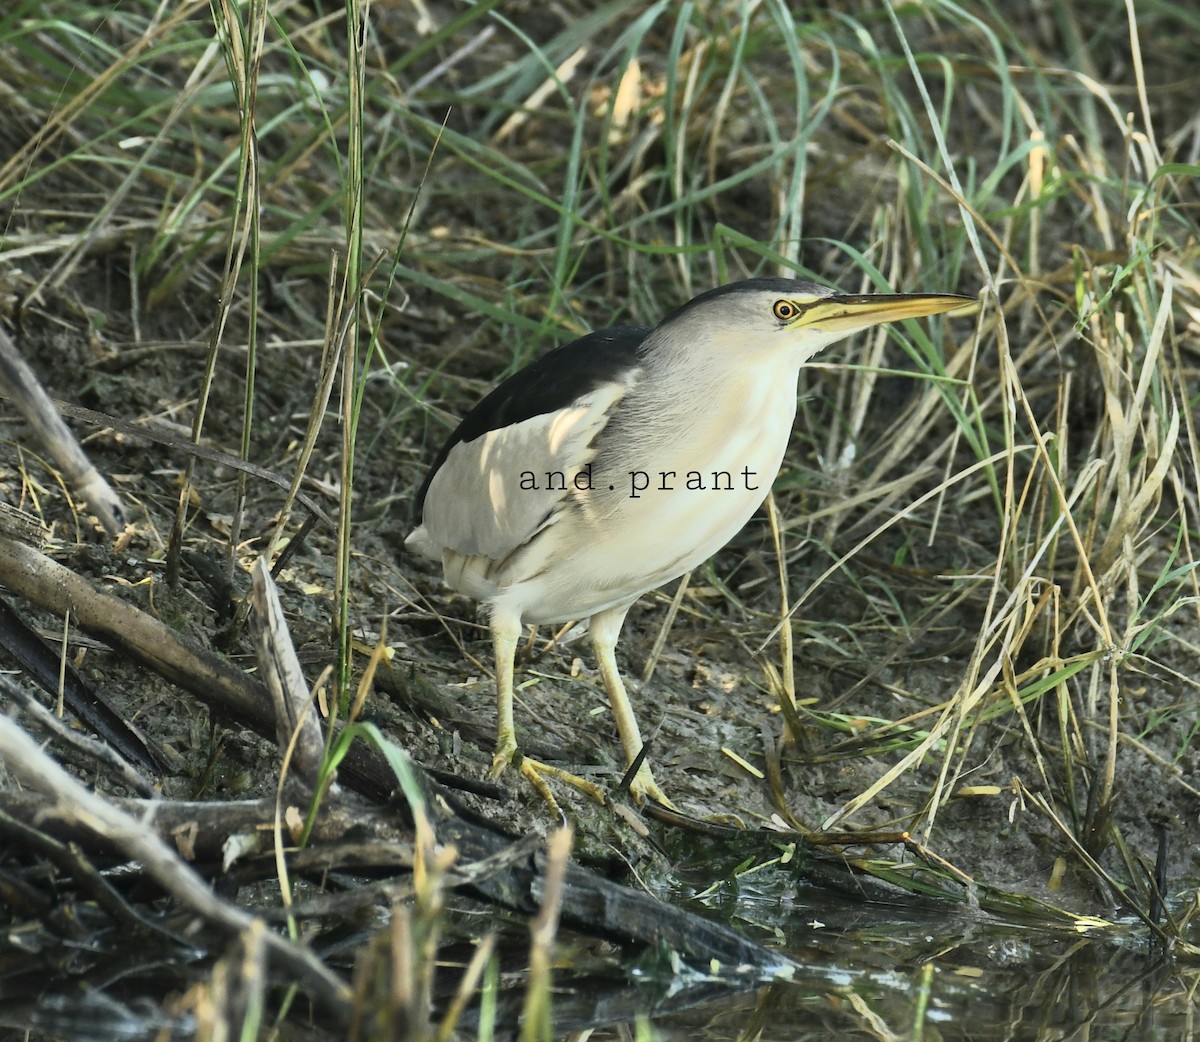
506,749
644,787
536,772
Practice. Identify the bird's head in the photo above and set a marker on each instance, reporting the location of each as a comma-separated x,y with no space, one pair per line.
792,318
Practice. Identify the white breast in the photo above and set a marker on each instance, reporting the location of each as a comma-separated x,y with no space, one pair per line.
615,543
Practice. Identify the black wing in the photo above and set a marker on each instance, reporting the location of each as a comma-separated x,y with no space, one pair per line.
546,385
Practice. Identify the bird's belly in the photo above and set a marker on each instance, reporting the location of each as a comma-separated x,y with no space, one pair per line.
646,525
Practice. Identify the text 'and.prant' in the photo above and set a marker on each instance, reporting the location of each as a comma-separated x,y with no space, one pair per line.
644,481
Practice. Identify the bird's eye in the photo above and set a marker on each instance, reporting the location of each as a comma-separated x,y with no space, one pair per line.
785,310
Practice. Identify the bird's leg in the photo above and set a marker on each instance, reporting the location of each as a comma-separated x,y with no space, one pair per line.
506,631
605,630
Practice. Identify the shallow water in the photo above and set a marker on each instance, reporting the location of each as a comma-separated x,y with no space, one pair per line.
895,970
876,972
849,968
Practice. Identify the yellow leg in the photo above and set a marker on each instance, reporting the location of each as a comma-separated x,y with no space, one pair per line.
506,631
605,630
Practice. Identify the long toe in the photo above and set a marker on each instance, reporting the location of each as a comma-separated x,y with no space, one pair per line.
644,787
532,773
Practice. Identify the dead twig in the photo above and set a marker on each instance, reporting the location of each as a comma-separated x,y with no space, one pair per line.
90,810
82,743
21,384
295,714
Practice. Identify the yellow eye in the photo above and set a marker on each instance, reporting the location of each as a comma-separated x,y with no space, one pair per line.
785,310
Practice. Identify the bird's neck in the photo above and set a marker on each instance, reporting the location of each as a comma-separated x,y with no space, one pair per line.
702,384
704,412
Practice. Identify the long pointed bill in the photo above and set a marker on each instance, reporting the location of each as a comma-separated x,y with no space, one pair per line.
844,313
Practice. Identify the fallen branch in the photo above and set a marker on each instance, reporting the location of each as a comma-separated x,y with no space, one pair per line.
215,682
76,804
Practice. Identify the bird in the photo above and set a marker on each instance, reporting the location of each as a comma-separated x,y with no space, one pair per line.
622,460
